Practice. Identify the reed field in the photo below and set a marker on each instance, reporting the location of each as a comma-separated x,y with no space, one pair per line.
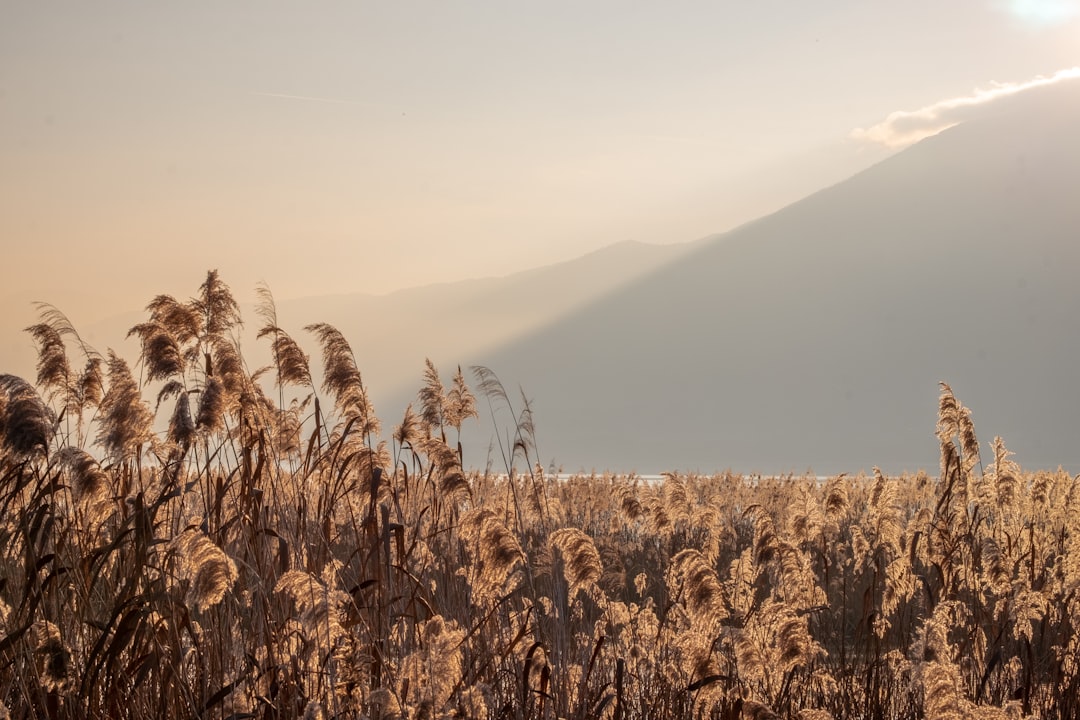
184,536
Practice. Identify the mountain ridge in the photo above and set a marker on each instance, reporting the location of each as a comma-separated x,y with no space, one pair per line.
917,263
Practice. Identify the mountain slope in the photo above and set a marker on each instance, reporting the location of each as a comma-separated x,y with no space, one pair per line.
815,337
393,334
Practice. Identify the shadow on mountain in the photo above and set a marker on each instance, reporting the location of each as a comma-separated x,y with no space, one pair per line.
815,338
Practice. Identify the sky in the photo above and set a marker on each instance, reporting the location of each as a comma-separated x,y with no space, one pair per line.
363,147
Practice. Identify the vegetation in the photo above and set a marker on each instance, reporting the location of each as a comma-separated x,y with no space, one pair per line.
246,546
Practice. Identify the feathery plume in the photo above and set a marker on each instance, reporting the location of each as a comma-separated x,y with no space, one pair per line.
435,667
181,424
581,562
495,552
89,388
460,403
90,484
179,320
432,397
26,422
292,363
162,355
216,306
766,542
125,423
676,497
210,571
836,502
407,432
1004,475
210,416
53,370
883,516
691,577
341,378
806,520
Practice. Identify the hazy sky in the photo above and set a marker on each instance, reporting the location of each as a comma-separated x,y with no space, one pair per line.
351,146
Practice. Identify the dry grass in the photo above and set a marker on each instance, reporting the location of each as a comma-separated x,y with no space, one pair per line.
223,553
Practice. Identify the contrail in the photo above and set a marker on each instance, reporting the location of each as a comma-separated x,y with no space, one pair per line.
332,101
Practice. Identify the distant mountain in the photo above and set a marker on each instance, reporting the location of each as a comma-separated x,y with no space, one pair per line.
814,338
392,334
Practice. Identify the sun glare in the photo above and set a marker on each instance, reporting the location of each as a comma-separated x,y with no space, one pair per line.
1045,12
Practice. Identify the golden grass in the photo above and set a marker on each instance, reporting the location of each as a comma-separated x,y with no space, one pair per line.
224,554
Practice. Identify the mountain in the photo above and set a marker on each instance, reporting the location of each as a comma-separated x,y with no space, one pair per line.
392,334
815,337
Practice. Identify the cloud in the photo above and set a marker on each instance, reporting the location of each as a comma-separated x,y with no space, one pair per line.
905,127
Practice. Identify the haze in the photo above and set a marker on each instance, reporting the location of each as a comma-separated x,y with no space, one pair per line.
367,147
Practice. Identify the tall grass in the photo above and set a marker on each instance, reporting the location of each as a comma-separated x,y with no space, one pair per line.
190,537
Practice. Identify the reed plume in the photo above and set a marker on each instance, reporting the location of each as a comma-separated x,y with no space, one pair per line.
53,369
1003,475
938,673
90,485
89,387
162,354
955,426
806,521
54,373
432,398
26,422
997,575
434,669
460,403
290,361
814,714
581,561
321,609
125,422
179,320
900,587
341,378
494,550
691,578
210,415
766,541
181,423
884,516
216,307
407,432
676,498
210,572
629,503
